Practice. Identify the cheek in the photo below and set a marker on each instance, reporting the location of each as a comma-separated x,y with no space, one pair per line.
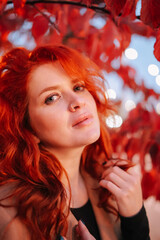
45,122
95,110
93,104
37,121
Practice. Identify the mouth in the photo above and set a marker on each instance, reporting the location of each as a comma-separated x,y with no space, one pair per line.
83,120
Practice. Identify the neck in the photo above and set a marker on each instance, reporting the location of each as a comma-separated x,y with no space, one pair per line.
70,160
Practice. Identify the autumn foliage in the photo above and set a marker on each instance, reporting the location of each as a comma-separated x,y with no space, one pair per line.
70,23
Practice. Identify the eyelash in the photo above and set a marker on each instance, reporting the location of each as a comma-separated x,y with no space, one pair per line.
82,86
49,99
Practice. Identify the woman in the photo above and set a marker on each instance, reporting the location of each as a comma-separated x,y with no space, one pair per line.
56,169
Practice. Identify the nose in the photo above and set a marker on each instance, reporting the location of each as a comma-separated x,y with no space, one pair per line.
77,102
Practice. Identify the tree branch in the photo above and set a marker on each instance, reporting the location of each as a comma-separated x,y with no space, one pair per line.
49,20
99,8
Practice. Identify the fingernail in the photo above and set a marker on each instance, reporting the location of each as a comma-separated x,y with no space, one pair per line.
104,163
82,221
61,238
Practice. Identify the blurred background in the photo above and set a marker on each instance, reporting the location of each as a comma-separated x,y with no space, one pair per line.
123,38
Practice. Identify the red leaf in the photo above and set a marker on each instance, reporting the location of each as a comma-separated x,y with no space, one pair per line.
157,46
87,2
2,5
125,7
61,15
115,6
133,143
93,45
148,92
125,32
140,28
40,26
110,32
148,183
78,23
150,13
19,3
115,39
29,12
129,8
128,73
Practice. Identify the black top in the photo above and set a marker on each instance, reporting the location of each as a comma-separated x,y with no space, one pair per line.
136,227
86,215
132,228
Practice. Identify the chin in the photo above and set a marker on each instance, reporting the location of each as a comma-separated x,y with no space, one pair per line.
91,138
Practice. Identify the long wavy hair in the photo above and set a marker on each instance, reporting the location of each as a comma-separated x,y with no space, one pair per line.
35,172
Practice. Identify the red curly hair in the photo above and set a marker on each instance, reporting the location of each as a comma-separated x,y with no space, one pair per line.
41,197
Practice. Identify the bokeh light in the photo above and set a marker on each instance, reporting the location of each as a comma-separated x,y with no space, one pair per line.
158,80
111,94
158,108
148,163
131,53
153,69
129,105
114,121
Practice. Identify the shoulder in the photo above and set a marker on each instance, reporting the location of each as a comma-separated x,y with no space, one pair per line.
11,228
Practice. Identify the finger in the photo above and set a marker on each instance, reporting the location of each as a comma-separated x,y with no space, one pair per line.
106,172
130,176
122,174
127,176
123,179
115,162
116,179
115,190
109,163
122,164
134,170
118,171
84,233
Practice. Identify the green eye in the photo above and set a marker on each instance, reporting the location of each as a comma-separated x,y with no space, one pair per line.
52,98
80,88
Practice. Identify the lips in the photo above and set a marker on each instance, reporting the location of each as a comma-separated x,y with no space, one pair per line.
83,119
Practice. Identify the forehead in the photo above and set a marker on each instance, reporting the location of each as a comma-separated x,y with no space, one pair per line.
46,74
49,75
46,70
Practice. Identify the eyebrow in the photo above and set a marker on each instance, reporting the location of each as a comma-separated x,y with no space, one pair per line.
57,86
49,89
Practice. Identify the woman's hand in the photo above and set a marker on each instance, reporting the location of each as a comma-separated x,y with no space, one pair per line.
126,187
82,233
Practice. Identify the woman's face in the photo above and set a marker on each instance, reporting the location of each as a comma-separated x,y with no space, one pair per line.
62,112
